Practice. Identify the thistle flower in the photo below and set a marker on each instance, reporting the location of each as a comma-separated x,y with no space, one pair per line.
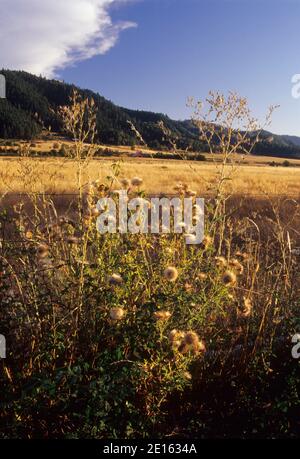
247,307
42,250
236,265
162,315
175,338
171,274
229,278
183,348
221,261
125,182
116,314
200,347
136,181
191,343
29,235
191,338
115,279
173,334
95,212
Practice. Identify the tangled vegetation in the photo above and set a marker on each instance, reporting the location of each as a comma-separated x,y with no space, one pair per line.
136,335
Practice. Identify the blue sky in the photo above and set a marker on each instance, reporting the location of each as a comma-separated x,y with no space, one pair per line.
179,48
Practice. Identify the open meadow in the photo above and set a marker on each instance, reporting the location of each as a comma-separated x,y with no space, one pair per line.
57,175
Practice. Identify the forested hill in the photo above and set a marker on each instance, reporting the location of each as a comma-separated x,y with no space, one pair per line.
32,103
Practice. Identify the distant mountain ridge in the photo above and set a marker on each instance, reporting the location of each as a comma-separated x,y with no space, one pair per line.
32,103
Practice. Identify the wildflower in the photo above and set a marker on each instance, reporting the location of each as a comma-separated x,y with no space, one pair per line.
229,278
202,276
115,279
221,261
172,334
162,315
136,181
171,273
116,313
237,266
29,235
247,307
95,212
175,338
42,250
191,343
191,338
200,347
125,182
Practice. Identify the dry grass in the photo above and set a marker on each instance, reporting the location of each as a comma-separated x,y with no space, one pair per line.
57,175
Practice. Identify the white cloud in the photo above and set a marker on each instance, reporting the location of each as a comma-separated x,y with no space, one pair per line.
43,36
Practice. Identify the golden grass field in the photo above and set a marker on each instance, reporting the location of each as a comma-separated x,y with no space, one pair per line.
57,175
